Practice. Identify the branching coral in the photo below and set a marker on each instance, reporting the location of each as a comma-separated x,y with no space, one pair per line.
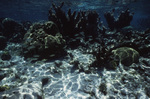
74,22
123,20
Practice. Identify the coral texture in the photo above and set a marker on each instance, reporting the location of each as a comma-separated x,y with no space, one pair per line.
123,20
43,41
126,55
74,22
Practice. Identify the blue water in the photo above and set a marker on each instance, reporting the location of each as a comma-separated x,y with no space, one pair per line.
35,10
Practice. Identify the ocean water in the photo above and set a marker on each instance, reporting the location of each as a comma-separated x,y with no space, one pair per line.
84,71
35,10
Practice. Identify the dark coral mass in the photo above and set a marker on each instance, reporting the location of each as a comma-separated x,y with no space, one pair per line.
79,49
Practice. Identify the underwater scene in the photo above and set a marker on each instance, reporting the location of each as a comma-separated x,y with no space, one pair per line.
74,49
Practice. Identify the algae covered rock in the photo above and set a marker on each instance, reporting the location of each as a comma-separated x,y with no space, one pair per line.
43,41
125,55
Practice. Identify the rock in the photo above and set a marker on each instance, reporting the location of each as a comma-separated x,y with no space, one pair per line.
103,88
44,81
147,90
3,88
44,41
2,75
123,92
125,55
12,30
3,42
5,56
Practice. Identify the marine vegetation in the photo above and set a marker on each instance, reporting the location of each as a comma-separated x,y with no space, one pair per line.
74,22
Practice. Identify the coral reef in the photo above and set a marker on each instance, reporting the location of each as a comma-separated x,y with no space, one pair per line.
12,30
66,24
43,41
99,63
125,38
74,22
123,19
125,55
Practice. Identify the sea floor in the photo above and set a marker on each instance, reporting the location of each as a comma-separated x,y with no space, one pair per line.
71,77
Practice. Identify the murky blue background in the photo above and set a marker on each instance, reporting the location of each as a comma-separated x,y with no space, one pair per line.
35,10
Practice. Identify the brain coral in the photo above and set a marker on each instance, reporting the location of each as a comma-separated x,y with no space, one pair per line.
126,55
